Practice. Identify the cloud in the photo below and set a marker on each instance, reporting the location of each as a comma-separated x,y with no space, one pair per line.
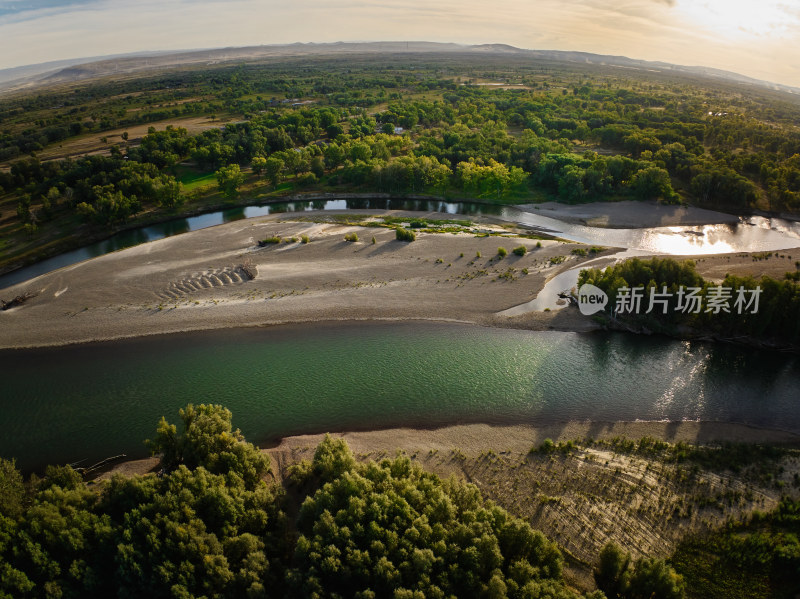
32,9
650,29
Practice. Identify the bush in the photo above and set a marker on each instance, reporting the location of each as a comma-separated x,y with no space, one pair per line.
520,250
405,235
351,237
547,446
502,252
307,179
305,238
269,240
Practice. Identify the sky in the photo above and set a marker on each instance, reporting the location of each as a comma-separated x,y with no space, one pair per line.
759,38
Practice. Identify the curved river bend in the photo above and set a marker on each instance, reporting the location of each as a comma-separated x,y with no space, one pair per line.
100,400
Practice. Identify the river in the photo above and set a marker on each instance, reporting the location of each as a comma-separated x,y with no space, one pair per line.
87,402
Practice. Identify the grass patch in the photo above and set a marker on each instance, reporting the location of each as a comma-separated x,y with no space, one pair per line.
269,240
192,180
419,223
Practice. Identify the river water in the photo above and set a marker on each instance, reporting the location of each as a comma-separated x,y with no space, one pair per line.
92,401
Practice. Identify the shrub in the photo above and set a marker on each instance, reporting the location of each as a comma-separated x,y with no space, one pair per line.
547,446
351,237
579,252
478,255
305,238
538,244
404,234
268,240
502,252
520,250
307,179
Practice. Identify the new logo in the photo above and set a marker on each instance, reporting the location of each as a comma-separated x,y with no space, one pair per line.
591,299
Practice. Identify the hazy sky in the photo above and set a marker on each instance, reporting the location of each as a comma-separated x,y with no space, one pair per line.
760,38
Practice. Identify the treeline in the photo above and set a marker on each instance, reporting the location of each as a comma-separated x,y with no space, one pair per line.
209,525
673,298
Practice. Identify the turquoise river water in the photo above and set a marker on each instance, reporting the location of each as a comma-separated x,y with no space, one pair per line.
87,402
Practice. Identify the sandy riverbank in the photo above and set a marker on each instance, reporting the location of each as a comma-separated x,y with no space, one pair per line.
476,439
195,281
198,281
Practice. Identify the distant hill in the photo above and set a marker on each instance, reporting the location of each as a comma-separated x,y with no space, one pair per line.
32,76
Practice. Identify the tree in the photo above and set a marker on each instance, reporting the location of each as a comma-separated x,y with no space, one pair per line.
611,574
208,440
110,205
12,489
318,166
655,579
259,165
647,578
651,183
273,168
229,179
389,529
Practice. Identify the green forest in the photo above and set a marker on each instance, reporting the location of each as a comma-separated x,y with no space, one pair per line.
422,125
208,524
211,521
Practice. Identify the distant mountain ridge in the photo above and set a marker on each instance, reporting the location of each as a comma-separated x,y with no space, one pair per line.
32,76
